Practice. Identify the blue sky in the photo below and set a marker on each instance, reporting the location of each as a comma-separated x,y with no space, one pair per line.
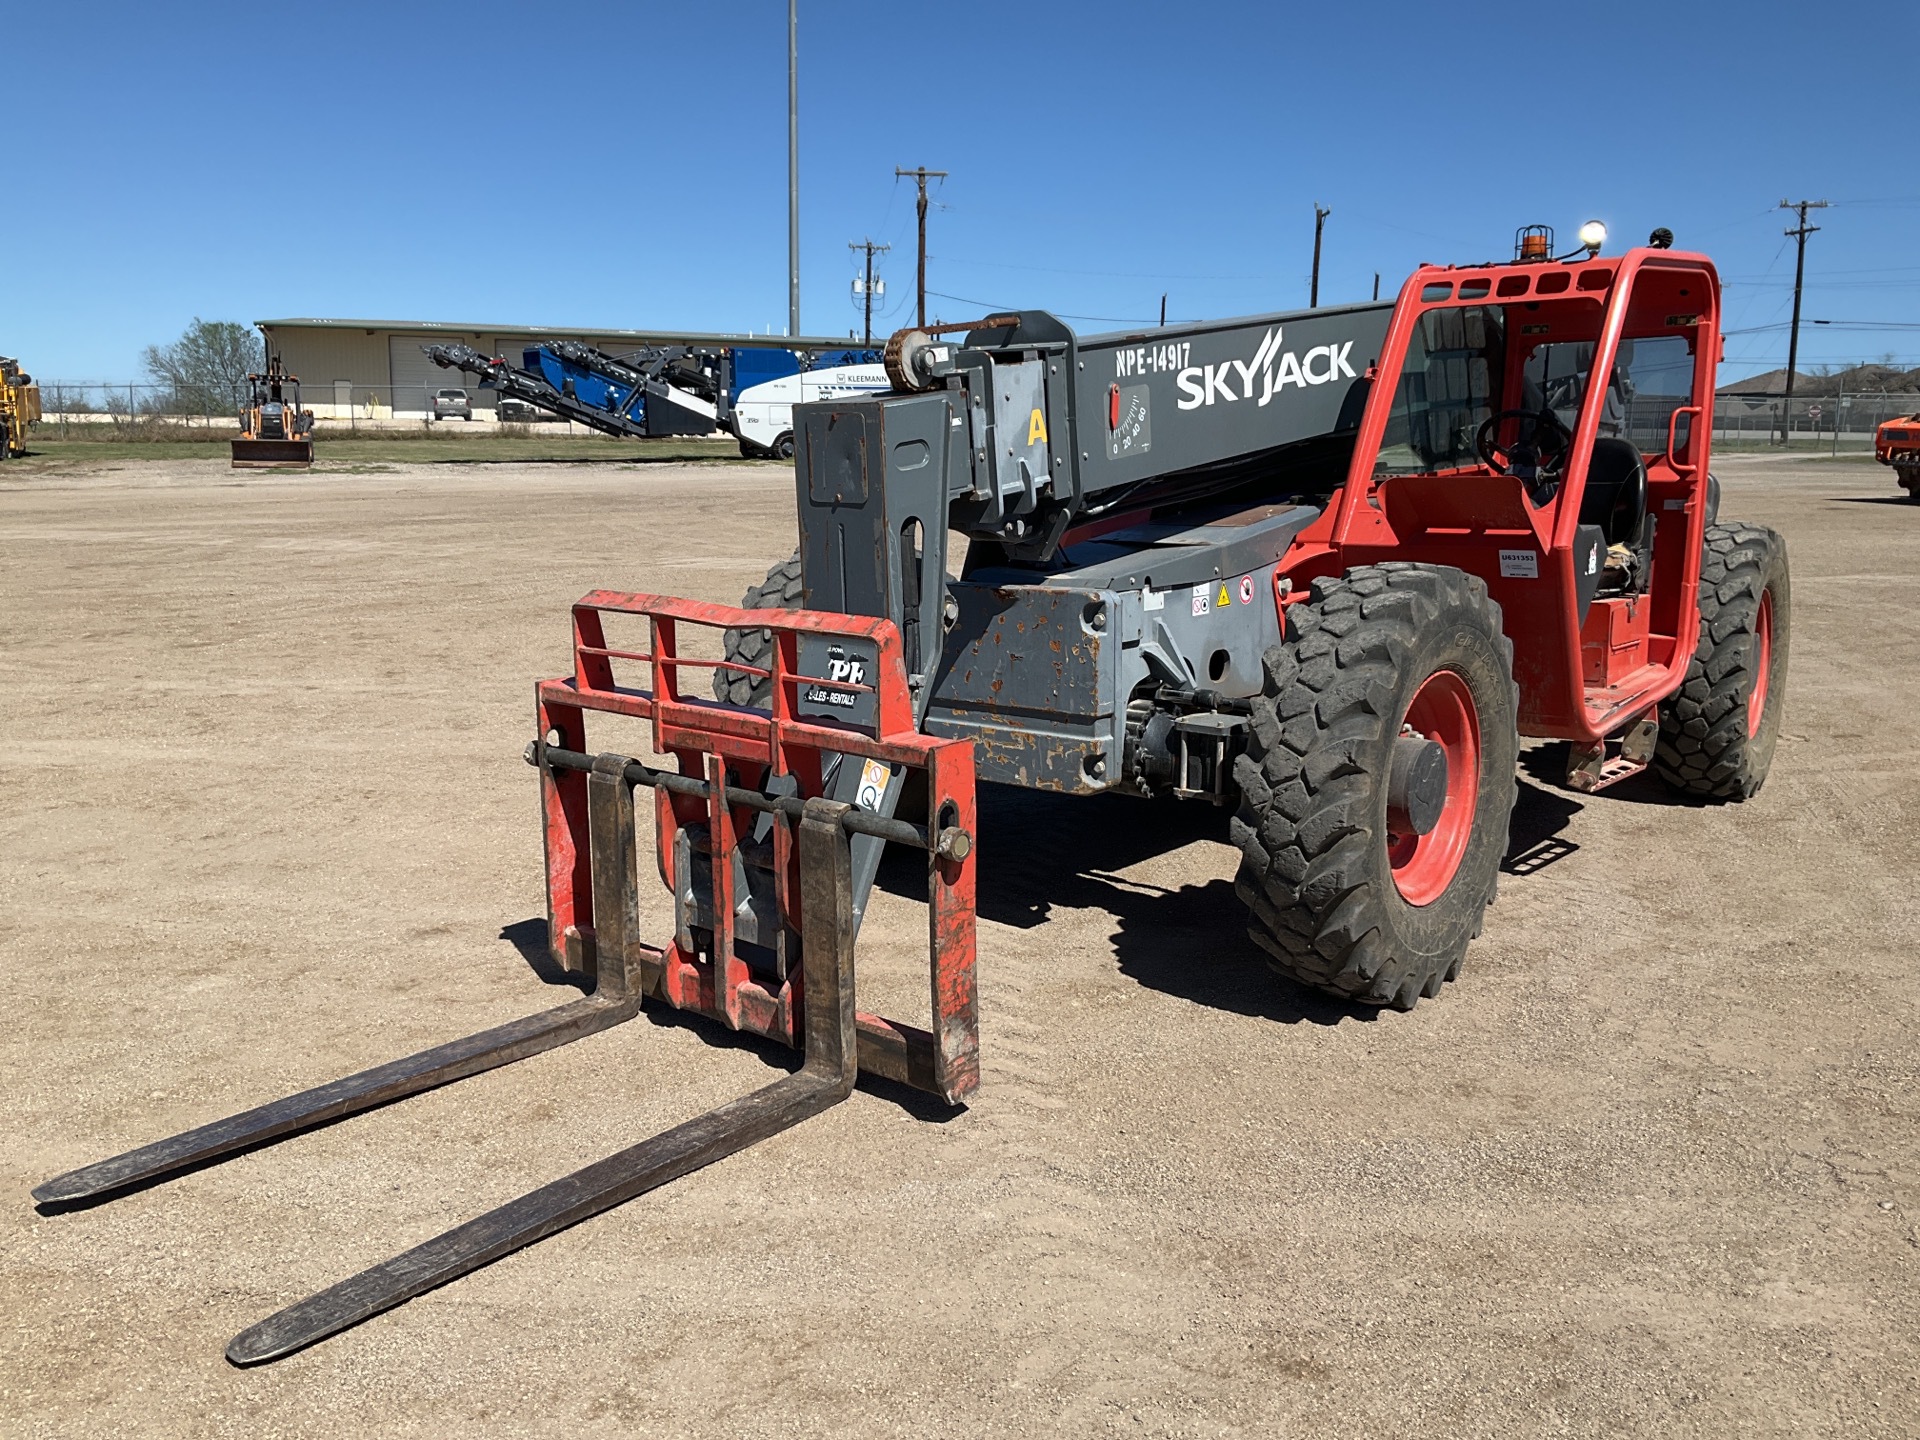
624,164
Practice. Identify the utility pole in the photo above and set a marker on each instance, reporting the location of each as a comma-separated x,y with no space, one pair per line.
1376,284
866,291
1319,224
1163,309
1799,272
793,167
921,174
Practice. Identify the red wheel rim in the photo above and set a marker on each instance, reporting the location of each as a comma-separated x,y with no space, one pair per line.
1763,628
1443,712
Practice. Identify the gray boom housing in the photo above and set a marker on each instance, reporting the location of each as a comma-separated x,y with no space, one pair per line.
1117,662
1205,446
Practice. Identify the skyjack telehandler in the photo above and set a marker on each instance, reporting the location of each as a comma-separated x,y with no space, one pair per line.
1324,567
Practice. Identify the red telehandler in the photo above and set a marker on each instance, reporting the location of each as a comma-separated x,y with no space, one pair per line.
1324,568
1897,443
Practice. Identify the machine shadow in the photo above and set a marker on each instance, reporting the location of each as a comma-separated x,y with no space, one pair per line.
529,937
1541,812
1189,941
1875,500
1040,851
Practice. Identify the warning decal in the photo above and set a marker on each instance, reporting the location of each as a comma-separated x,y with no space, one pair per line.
873,784
1246,589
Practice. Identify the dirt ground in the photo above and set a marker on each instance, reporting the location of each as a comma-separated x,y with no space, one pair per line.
1648,1168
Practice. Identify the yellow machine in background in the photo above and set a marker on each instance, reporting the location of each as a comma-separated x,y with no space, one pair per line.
274,431
19,408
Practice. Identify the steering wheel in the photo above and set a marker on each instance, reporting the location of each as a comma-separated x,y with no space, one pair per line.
1535,456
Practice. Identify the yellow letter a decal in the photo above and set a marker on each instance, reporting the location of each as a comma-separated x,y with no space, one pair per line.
1037,428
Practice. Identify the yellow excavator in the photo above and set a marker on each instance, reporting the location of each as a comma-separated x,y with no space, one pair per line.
274,431
19,407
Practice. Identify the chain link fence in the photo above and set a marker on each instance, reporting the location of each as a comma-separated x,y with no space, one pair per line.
340,406
1843,422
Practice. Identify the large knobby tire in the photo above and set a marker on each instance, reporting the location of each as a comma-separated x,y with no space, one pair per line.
1717,732
781,590
1338,902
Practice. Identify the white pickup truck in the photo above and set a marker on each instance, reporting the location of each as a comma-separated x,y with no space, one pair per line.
763,415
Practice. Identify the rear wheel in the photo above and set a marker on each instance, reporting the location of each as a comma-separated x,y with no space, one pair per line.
783,447
1378,782
781,590
1718,731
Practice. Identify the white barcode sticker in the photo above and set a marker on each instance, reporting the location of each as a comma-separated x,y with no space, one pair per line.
1520,564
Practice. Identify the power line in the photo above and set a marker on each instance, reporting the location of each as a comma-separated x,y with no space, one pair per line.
990,306
1833,324
1102,274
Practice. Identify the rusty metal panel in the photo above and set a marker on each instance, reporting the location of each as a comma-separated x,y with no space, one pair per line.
1027,650
1030,674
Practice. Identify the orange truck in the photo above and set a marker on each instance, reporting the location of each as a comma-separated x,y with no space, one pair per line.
1897,443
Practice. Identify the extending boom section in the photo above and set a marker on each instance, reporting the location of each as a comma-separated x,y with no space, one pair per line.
1063,428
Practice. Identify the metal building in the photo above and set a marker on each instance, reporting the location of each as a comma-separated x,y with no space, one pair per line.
378,369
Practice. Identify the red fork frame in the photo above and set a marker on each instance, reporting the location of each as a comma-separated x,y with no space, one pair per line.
707,740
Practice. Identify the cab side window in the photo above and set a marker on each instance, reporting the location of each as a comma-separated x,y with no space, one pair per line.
1446,389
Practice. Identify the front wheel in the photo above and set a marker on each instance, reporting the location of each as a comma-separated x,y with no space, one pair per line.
1718,731
1378,782
783,447
781,590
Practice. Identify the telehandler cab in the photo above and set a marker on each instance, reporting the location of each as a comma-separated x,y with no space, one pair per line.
1323,567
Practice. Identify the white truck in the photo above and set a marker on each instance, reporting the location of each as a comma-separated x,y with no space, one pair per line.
763,413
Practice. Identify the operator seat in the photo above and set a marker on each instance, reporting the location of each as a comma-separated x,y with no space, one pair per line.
1616,493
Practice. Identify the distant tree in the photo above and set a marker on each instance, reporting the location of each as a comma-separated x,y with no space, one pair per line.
205,371
66,400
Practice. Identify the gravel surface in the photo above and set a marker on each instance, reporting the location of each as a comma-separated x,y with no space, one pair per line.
1648,1168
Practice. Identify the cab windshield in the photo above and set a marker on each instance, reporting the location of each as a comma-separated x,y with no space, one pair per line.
1454,373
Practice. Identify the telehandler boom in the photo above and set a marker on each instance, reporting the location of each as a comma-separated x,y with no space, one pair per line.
1324,568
